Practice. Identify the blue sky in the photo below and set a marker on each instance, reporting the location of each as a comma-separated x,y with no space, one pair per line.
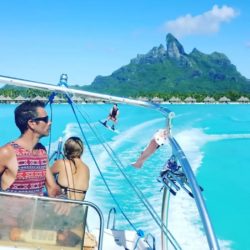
40,39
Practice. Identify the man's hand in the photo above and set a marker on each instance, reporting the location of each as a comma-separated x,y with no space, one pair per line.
62,208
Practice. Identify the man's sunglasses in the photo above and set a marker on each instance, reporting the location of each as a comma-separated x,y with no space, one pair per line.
43,119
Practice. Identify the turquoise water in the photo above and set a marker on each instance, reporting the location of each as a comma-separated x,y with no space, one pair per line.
216,140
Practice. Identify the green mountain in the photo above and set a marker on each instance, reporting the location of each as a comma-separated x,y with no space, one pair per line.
171,70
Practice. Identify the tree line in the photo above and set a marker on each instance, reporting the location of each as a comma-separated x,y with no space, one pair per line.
199,97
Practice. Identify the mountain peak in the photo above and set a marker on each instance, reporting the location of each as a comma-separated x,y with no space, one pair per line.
174,48
171,70
195,51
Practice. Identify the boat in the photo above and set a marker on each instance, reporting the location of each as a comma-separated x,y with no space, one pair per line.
24,217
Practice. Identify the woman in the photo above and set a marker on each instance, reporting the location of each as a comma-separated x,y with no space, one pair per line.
73,173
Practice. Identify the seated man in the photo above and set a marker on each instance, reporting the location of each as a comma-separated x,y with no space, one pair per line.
24,162
158,140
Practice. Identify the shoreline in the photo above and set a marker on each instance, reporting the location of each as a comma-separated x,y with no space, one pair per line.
164,103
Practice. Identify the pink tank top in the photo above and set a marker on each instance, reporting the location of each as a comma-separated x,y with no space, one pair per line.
30,178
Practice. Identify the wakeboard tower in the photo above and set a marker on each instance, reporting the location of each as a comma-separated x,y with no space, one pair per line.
128,239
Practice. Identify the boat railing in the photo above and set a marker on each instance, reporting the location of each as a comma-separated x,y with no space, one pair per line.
196,194
34,222
150,236
112,210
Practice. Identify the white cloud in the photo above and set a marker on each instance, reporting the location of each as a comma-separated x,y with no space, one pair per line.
206,23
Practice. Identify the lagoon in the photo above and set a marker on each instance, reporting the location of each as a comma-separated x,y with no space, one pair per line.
216,140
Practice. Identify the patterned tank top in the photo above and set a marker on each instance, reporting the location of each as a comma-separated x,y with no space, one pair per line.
30,178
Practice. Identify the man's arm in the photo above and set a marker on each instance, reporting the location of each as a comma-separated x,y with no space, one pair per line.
2,159
55,169
52,188
6,155
8,166
54,191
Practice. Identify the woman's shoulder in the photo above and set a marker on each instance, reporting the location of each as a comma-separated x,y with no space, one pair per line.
58,163
82,163
61,161
84,166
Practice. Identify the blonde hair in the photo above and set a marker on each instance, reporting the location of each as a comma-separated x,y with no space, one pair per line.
73,148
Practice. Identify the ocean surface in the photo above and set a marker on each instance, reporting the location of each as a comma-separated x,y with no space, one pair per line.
215,139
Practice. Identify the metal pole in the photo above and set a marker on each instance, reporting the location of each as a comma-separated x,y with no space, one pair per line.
63,89
164,216
211,238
